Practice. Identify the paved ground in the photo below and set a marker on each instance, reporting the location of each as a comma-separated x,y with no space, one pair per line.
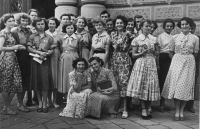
51,120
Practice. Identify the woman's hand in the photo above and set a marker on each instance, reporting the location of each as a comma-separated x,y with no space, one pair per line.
43,54
19,47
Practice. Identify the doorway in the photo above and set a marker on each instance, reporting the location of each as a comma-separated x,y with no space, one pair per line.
46,8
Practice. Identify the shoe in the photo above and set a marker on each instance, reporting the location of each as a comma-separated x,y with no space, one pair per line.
161,109
8,112
176,118
145,117
182,118
45,110
167,108
39,109
124,114
56,105
191,110
23,109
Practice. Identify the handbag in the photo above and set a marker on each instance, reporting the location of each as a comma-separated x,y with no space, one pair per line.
104,84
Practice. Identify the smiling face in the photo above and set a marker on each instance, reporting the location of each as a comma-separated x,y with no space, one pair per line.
99,27
104,17
80,23
40,26
10,23
70,30
168,27
119,24
52,25
24,22
95,65
80,66
185,27
146,28
109,26
130,26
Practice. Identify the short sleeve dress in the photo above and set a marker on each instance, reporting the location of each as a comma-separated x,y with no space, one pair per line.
99,104
10,74
180,80
41,75
143,83
77,102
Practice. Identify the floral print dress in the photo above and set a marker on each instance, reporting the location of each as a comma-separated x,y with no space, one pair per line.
10,74
120,61
77,102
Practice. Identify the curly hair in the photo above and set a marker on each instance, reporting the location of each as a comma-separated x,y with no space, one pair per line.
54,19
39,20
4,19
123,18
188,20
23,16
99,60
98,20
33,10
168,20
75,62
146,20
66,25
84,19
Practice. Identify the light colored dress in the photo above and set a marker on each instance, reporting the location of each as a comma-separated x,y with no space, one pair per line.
55,57
120,61
69,48
143,83
98,103
10,74
77,102
99,43
86,44
180,79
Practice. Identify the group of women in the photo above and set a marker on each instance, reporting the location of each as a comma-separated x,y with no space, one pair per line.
123,64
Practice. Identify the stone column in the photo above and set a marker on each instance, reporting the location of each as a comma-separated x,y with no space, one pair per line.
91,8
66,6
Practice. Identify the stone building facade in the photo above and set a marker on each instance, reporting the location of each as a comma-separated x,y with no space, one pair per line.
157,10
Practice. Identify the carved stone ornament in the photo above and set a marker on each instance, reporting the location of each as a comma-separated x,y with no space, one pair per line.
193,11
117,2
142,2
172,11
15,6
66,2
131,12
92,10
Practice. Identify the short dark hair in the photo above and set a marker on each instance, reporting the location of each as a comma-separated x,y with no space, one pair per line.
105,12
65,15
146,20
110,20
123,18
39,20
66,25
75,62
33,10
24,16
99,60
188,20
54,19
154,23
138,16
168,20
4,18
131,20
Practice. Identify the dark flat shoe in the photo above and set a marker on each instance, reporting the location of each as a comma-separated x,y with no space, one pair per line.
45,110
191,110
39,110
182,118
161,109
23,109
145,117
176,118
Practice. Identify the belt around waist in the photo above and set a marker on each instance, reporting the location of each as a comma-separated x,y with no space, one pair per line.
99,51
